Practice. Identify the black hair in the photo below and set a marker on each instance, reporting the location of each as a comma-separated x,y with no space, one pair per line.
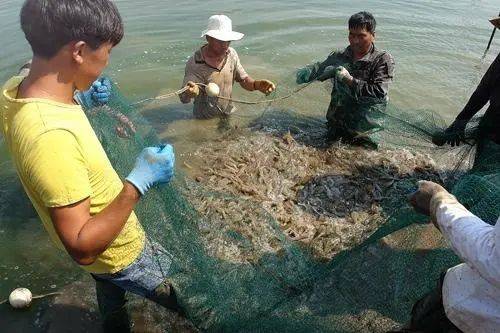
363,20
50,24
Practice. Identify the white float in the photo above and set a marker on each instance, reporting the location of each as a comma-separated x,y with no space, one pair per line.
212,89
20,298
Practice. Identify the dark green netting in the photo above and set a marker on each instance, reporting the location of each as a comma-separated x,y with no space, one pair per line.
369,288
478,189
230,280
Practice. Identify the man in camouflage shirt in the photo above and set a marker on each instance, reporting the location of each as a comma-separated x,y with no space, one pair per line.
361,75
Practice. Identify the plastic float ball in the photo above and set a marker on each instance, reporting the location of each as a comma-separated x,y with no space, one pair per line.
212,89
20,298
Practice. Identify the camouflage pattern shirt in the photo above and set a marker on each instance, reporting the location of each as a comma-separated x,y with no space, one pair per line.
350,106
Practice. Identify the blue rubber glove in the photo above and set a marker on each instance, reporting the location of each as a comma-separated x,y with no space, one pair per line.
154,165
98,94
303,75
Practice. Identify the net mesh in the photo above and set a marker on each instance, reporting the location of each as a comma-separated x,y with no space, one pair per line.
277,230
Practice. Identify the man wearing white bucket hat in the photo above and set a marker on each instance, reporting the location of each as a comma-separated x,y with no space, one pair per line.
216,62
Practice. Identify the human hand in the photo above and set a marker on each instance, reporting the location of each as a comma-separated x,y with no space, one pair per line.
264,86
303,75
193,90
98,94
343,74
422,198
154,165
455,133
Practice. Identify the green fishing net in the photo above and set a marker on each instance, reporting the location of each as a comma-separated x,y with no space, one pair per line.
239,262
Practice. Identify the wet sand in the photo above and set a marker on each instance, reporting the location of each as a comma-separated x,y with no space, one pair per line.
75,311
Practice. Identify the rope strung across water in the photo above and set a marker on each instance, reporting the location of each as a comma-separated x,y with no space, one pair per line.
266,100
175,93
178,92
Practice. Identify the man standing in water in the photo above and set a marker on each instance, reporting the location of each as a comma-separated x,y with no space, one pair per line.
361,77
84,206
488,90
218,63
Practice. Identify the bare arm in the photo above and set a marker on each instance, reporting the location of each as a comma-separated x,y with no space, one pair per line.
85,236
240,75
248,83
61,178
264,86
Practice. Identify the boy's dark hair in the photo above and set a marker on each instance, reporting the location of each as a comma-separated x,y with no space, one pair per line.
363,20
50,24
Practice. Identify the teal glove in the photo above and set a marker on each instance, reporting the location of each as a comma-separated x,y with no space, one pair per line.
329,73
303,75
154,165
98,94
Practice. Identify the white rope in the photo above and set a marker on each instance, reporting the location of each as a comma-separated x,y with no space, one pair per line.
175,93
266,100
178,92
35,297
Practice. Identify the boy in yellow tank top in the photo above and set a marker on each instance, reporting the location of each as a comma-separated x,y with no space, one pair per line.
84,206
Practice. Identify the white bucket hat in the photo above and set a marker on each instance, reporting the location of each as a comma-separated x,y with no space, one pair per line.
220,27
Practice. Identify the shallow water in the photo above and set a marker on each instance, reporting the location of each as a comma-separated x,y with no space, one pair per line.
437,46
